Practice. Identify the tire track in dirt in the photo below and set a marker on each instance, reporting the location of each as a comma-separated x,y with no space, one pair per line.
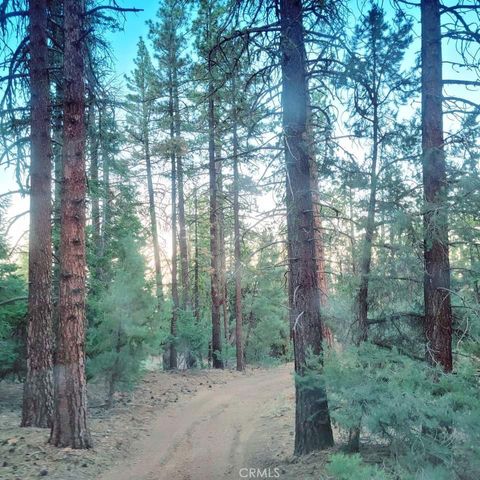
210,436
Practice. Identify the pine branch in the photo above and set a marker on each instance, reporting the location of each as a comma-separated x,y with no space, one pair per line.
12,300
114,8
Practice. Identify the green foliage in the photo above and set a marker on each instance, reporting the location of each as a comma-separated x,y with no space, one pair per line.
193,336
12,319
429,421
227,354
125,329
123,320
13,309
265,315
348,467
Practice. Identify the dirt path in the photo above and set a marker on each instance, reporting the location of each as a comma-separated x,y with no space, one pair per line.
216,433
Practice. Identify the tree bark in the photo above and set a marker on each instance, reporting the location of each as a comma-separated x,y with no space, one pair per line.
196,268
70,411
175,297
216,293
56,11
327,334
312,421
221,239
361,301
237,241
438,310
38,387
183,244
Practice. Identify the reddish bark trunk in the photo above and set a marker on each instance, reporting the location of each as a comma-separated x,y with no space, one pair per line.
70,412
312,421
438,310
38,387
320,253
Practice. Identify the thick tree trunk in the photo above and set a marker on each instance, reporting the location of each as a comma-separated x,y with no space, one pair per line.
70,412
320,249
38,387
237,241
216,290
438,310
312,422
56,11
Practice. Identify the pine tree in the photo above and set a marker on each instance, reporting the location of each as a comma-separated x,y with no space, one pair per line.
70,398
374,74
438,310
312,421
124,329
141,105
168,37
38,387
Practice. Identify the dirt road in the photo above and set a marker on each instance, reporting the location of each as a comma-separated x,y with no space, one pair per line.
216,433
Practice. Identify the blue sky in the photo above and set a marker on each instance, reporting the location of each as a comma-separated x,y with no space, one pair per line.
124,43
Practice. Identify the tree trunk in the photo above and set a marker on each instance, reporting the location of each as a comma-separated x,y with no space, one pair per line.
216,292
438,310
361,301
312,421
38,387
352,228
56,11
221,240
320,249
94,179
70,411
237,241
186,304
196,268
153,218
175,298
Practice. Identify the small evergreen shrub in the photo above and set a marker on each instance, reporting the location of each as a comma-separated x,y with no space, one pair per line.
349,467
428,421
125,329
193,336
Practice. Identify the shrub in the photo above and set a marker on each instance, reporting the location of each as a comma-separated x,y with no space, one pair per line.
428,421
348,467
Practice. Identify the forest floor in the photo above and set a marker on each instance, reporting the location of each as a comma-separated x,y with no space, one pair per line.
194,425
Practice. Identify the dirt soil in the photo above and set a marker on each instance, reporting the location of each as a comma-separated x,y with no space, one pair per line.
195,425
